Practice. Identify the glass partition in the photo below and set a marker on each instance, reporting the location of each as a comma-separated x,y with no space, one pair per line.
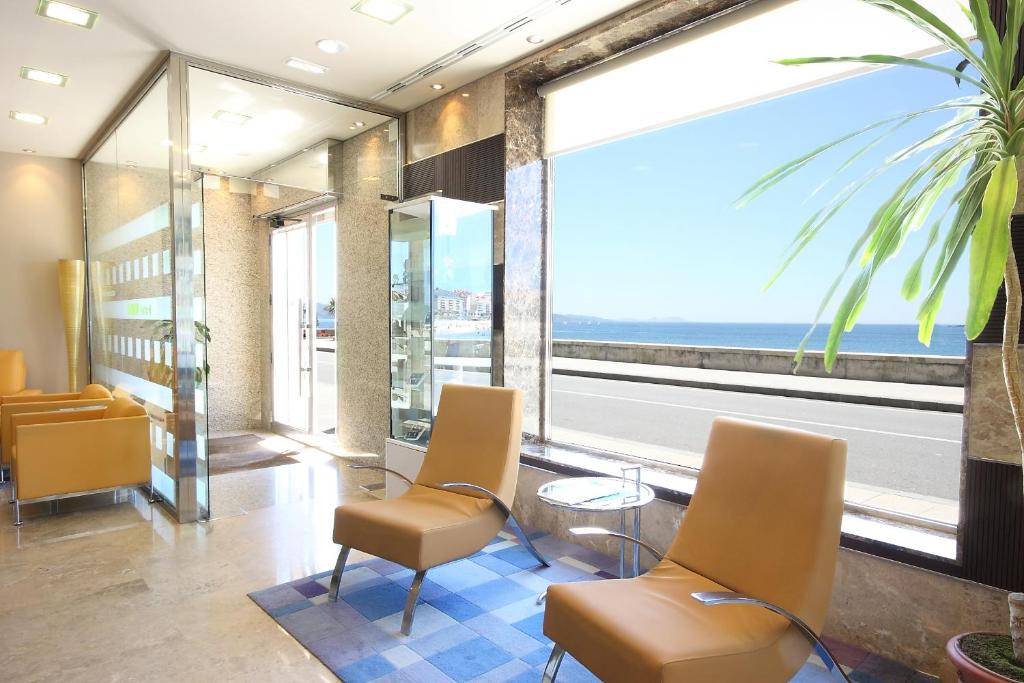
441,306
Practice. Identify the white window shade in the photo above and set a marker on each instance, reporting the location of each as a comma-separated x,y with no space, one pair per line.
727,63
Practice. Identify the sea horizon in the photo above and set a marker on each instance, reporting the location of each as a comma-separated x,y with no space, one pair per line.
947,340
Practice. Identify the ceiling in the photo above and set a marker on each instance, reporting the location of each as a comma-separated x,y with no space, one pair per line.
105,62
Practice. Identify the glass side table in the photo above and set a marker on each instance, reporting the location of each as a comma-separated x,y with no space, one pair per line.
604,494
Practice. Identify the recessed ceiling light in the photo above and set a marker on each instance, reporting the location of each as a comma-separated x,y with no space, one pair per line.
303,65
26,117
28,151
351,127
230,117
535,39
331,46
388,11
69,14
40,76
465,94
359,124
437,86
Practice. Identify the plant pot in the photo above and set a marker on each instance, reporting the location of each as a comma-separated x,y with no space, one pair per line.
968,670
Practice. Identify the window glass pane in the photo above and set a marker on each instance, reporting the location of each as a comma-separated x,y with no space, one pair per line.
650,249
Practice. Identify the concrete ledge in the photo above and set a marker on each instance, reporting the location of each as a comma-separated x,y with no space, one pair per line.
888,394
875,367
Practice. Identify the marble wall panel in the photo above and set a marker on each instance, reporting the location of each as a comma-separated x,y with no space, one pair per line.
236,287
989,429
467,114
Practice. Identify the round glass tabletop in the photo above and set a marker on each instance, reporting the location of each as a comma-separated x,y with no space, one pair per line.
598,494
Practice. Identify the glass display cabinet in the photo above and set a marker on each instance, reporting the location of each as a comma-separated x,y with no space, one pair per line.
441,306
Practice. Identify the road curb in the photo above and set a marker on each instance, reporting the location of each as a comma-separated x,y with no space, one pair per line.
885,401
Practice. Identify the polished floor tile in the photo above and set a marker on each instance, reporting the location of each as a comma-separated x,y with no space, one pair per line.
98,591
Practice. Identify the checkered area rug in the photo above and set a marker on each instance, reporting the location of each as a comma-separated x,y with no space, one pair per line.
477,620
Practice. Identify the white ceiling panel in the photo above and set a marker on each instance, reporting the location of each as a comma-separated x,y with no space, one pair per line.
105,62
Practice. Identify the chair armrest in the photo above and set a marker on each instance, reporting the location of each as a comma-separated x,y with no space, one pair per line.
599,531
731,598
56,457
383,469
39,396
517,528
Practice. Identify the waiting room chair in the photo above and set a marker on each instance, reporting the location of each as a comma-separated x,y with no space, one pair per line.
760,535
93,395
460,500
12,374
56,454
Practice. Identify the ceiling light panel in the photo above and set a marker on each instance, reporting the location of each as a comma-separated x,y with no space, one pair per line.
40,76
230,117
68,14
26,117
388,11
330,46
303,65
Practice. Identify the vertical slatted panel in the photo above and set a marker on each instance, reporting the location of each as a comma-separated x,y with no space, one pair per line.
473,172
994,523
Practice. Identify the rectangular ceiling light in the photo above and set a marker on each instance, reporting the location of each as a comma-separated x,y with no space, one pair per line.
26,117
40,76
231,117
69,14
388,11
303,65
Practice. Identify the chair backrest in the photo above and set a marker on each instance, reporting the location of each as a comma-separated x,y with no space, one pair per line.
123,407
95,391
765,516
475,439
12,372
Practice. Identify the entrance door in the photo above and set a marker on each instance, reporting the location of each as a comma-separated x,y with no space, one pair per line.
303,258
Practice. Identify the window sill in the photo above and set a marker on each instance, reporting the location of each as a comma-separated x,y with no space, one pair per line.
898,537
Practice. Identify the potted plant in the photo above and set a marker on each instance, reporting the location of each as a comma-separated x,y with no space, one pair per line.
976,157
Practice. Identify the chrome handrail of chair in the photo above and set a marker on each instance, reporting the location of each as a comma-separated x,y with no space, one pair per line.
407,480
517,529
600,531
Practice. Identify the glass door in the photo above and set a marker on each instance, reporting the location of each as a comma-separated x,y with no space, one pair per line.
291,326
304,286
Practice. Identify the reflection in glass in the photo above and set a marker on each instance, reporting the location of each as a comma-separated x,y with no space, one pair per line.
441,306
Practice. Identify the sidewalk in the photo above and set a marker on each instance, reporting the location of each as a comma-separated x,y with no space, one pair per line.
890,394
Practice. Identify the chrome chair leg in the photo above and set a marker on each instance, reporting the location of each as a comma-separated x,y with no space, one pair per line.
410,602
512,521
554,661
339,569
17,513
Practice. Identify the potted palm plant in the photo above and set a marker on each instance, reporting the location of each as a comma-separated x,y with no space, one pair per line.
975,158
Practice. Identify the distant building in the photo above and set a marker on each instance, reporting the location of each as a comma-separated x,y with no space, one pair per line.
449,304
480,306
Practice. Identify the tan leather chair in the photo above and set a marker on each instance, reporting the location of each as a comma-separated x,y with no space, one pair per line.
761,531
460,500
93,395
13,374
57,454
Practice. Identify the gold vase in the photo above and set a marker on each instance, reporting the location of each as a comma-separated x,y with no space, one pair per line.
71,283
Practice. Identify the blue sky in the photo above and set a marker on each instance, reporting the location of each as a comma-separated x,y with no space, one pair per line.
646,227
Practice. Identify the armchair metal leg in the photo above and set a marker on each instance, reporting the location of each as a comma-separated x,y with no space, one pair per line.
554,661
512,521
339,569
17,513
518,531
410,602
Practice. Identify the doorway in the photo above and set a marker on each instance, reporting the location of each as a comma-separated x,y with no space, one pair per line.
304,326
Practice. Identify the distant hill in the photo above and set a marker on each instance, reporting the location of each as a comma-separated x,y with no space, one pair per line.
569,318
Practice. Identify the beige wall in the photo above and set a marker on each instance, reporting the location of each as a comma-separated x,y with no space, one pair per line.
40,222
454,120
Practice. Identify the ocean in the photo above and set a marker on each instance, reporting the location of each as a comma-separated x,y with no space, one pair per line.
947,340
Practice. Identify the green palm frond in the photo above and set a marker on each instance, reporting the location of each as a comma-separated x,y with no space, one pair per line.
979,146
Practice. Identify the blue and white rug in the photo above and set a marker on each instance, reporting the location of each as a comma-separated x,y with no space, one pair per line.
478,618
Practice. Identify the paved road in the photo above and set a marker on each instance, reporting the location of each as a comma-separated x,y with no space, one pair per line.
895,448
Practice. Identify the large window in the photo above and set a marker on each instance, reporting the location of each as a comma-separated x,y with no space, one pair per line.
649,249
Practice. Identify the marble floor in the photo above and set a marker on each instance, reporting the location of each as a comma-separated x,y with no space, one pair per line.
120,592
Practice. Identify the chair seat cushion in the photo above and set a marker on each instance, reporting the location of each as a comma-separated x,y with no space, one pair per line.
651,629
422,528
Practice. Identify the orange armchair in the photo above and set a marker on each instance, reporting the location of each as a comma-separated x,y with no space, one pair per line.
92,396
12,375
460,500
745,586
56,454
